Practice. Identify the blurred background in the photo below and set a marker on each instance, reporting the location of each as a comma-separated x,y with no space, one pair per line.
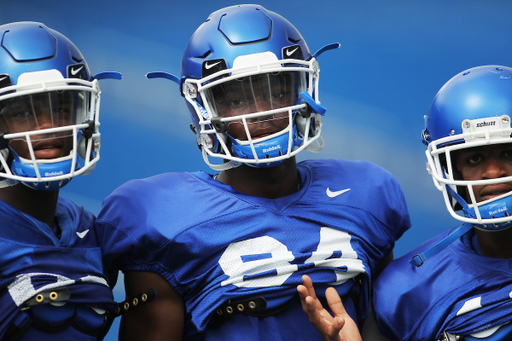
394,57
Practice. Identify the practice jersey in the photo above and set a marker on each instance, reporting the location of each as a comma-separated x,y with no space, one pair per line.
456,291
215,245
38,271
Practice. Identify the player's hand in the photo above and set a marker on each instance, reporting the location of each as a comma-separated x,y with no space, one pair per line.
339,327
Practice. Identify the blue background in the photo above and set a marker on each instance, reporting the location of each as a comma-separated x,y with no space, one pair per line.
394,57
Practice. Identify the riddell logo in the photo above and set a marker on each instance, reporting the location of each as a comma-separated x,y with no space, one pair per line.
485,124
271,149
54,173
503,209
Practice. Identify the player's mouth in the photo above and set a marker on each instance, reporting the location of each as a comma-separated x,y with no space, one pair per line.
260,136
48,149
262,132
493,191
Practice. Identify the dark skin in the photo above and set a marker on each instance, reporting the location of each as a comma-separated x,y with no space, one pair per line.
489,162
481,163
336,327
495,244
163,319
39,204
271,183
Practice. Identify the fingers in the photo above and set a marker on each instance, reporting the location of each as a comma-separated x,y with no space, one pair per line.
309,299
311,292
309,285
306,290
337,325
343,326
340,327
303,293
334,301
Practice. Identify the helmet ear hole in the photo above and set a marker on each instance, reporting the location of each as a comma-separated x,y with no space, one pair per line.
82,147
82,141
301,119
301,124
306,111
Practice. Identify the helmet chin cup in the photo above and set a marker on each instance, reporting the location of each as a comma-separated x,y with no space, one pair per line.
28,170
269,149
492,216
495,210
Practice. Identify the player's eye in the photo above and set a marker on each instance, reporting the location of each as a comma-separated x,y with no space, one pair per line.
17,112
236,103
474,159
277,95
507,153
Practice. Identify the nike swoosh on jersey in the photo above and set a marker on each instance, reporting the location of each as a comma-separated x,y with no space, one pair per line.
82,234
335,194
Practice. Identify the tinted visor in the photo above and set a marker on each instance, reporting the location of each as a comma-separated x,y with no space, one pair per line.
43,111
257,93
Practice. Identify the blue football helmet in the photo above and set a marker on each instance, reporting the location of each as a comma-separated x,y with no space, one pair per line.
49,108
251,85
472,109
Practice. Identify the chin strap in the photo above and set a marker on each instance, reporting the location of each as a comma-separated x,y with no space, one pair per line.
316,148
219,167
8,182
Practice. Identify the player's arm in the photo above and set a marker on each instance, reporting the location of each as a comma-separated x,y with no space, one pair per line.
161,319
339,327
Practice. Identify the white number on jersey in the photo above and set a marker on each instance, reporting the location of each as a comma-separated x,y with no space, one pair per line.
265,261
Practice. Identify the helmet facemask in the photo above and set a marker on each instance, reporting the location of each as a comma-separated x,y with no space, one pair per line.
50,128
492,214
259,113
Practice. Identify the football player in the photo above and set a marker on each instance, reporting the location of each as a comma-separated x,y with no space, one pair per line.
52,283
226,251
457,285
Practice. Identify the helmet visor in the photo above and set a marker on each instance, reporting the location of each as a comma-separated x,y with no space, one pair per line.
43,110
256,93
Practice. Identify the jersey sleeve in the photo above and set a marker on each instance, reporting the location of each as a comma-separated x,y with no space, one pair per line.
129,231
386,200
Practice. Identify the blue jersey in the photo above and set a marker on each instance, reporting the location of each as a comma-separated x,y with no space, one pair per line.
456,291
34,261
214,244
